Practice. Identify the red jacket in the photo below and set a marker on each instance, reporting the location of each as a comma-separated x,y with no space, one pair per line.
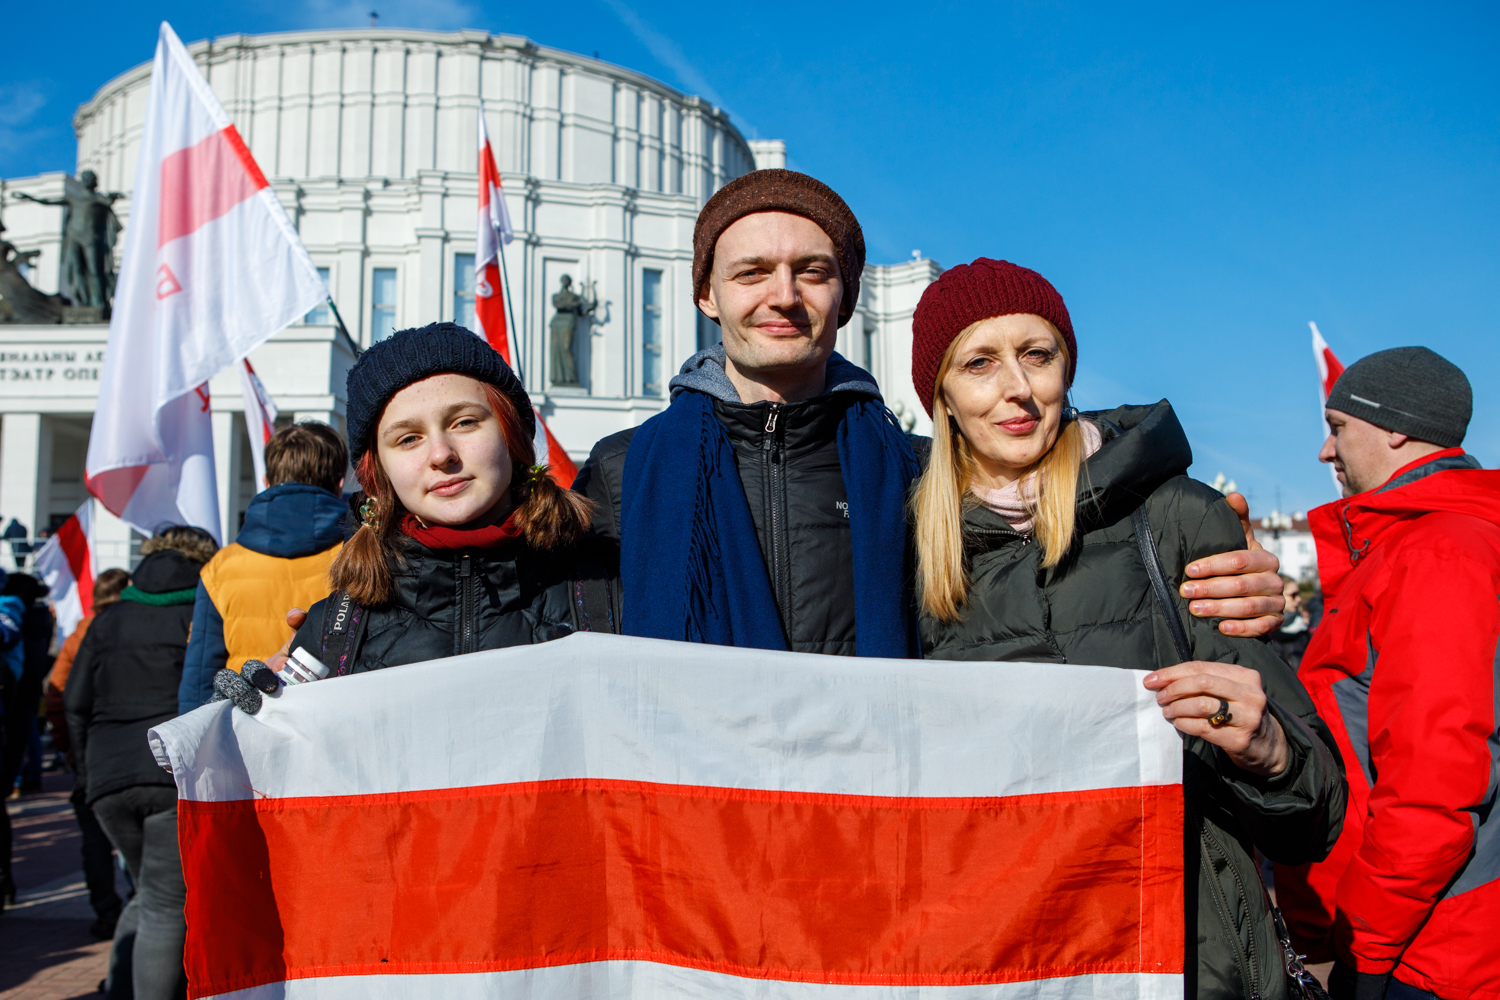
1403,668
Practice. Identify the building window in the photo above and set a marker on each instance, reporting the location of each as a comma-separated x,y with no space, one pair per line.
463,291
319,315
708,331
383,304
651,380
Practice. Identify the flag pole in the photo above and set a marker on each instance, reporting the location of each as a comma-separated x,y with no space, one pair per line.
343,330
510,314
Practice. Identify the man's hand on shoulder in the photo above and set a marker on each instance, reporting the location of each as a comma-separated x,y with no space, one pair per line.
1243,587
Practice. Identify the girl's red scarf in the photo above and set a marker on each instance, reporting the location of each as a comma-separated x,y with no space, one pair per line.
439,536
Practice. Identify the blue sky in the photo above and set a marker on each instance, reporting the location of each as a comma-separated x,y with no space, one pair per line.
1198,183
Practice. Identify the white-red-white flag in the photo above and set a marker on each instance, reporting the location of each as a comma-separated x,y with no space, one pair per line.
260,418
1329,370
212,268
629,817
68,564
494,233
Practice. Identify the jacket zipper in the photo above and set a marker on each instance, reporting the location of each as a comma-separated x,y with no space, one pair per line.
466,613
775,466
1246,960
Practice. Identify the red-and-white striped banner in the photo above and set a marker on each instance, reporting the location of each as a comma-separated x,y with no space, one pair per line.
609,816
67,564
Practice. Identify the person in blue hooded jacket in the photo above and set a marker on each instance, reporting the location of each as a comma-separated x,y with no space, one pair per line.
292,532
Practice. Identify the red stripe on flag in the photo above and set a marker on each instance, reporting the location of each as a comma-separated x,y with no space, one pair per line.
802,887
489,309
1334,371
75,546
559,465
203,182
114,487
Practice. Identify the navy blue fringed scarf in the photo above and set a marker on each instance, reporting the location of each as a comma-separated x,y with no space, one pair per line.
691,564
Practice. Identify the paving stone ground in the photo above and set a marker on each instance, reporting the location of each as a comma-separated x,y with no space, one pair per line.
46,952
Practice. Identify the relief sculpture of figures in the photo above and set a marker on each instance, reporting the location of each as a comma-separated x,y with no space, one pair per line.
90,229
19,302
570,309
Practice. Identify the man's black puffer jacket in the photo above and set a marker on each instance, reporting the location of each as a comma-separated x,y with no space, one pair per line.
449,602
788,460
1097,607
125,678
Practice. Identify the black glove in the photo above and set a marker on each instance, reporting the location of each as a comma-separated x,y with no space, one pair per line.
243,689
1346,984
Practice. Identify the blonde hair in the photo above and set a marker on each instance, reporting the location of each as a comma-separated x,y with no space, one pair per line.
943,493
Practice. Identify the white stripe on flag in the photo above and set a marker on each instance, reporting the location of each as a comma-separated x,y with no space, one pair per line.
631,980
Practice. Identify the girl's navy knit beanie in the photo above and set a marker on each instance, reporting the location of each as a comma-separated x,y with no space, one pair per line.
410,356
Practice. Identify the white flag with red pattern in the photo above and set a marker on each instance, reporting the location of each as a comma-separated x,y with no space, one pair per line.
494,232
212,269
260,419
67,565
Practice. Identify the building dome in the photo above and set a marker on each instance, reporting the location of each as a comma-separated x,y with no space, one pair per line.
369,139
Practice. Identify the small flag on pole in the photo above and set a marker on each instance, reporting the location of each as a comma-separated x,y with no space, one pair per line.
260,419
494,232
1329,370
66,564
212,269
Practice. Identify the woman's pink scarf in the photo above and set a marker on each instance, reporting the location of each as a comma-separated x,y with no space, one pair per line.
1016,502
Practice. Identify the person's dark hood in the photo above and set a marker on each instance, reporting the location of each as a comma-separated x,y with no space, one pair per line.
292,520
1144,446
166,571
704,372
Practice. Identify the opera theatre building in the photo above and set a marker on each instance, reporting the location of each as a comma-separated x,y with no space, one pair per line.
368,139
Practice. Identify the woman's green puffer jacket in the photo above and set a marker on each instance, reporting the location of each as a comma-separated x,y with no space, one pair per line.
1096,607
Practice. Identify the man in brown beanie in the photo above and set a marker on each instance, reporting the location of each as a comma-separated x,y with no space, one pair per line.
765,507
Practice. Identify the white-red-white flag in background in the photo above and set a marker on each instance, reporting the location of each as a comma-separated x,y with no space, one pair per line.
1329,370
630,818
212,268
494,233
260,418
68,564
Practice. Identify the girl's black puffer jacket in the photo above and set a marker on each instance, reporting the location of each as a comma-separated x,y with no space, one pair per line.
449,602
1097,607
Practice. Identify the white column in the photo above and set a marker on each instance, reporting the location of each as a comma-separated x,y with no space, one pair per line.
226,471
20,472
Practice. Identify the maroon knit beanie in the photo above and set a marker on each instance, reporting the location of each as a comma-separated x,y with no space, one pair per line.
782,191
968,293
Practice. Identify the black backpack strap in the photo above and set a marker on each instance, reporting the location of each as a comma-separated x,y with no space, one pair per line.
343,631
594,605
1164,596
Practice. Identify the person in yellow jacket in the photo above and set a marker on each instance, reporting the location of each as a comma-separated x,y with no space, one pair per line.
280,559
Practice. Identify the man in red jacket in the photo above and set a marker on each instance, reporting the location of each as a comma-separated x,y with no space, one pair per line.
1403,669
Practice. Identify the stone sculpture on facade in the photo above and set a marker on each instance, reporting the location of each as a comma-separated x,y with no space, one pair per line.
90,229
571,308
19,302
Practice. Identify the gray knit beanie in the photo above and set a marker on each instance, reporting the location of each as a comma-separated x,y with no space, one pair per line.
1409,390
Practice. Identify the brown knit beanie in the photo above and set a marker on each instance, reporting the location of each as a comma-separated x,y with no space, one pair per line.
782,191
968,293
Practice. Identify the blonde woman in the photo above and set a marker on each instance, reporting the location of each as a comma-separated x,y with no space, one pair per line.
1030,519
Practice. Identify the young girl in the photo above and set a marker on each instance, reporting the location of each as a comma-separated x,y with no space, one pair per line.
464,541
